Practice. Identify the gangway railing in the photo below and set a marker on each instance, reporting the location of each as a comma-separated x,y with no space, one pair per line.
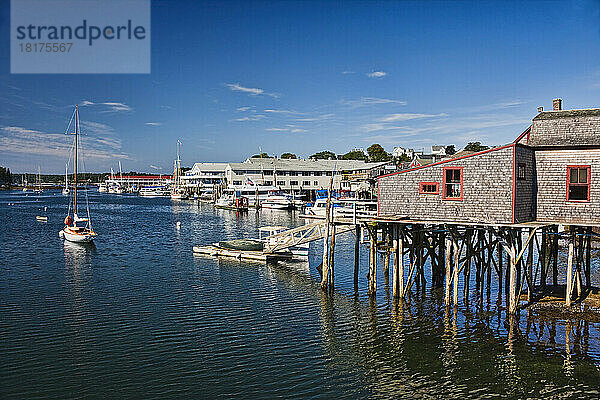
300,235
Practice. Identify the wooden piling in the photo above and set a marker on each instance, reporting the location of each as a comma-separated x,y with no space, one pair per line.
332,255
448,271
455,272
325,277
512,304
356,254
569,272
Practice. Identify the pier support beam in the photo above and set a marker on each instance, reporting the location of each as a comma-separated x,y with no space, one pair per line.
448,271
512,296
568,290
356,254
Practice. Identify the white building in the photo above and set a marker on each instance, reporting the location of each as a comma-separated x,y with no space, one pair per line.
204,175
438,150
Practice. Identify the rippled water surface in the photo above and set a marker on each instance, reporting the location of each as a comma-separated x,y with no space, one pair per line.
138,315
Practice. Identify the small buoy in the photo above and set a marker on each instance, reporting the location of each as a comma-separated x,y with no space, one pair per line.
45,208
178,225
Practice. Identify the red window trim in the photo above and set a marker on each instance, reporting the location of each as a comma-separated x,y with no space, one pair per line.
589,182
437,187
444,197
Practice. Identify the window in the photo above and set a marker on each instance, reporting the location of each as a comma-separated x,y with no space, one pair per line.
306,173
293,173
280,183
237,182
578,183
316,183
453,183
293,183
522,171
327,173
429,188
317,173
268,172
305,183
268,183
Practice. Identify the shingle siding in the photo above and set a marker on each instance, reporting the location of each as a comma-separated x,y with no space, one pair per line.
552,204
487,190
525,206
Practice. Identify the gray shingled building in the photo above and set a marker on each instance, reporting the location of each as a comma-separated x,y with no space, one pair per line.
547,174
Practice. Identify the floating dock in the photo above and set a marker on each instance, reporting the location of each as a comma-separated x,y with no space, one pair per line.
245,255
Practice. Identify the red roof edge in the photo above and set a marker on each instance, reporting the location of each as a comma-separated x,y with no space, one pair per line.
527,131
450,160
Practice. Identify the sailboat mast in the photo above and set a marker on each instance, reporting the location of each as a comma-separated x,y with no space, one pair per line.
76,140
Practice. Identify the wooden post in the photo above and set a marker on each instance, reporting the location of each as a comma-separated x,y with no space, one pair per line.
490,255
529,267
500,275
455,272
332,255
396,266
325,277
569,272
356,254
588,258
512,304
400,256
448,270
467,268
386,257
373,263
545,258
555,257
578,278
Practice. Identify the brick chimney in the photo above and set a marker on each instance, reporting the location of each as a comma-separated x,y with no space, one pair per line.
557,104
540,109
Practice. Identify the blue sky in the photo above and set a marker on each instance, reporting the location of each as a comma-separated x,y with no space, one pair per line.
228,78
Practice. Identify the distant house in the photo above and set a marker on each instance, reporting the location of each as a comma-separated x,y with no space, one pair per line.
438,150
550,173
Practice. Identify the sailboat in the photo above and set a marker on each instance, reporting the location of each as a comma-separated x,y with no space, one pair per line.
66,190
77,229
178,192
39,181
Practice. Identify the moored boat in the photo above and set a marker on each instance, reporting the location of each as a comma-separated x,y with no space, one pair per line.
78,230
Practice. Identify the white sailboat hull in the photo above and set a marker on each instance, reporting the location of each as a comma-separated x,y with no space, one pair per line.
85,237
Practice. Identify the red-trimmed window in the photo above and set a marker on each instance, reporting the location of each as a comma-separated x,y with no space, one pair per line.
578,182
453,183
429,188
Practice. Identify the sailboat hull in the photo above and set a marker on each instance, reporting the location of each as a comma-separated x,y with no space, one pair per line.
85,236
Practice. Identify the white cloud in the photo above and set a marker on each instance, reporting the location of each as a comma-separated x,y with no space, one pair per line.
317,118
409,116
251,118
348,72
107,106
369,101
29,142
153,123
377,74
236,87
283,112
155,167
277,129
246,108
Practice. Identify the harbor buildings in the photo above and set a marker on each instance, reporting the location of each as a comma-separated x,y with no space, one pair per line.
548,174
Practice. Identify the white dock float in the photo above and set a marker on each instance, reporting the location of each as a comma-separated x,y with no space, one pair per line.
257,256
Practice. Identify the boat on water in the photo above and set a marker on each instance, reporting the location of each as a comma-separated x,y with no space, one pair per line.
178,192
154,191
232,200
278,201
77,229
103,187
66,190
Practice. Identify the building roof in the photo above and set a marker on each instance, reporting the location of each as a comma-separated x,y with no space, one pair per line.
304,165
591,112
218,167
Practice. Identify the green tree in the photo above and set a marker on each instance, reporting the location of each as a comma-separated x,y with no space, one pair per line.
354,155
475,146
324,155
262,155
450,150
288,156
403,158
377,153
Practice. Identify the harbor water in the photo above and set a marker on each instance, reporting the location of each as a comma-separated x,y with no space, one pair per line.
138,315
